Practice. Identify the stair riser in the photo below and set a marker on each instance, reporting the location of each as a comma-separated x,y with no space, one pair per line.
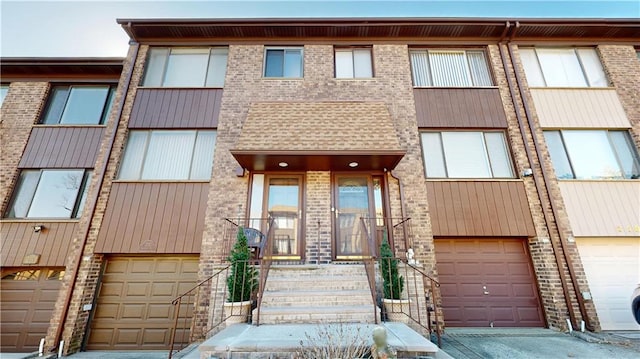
317,318
295,286
324,302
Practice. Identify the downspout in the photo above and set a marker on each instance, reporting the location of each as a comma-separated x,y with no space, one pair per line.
95,195
536,181
554,209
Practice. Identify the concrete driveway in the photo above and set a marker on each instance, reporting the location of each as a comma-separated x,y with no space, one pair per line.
495,343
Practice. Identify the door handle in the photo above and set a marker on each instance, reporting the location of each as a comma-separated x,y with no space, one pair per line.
484,290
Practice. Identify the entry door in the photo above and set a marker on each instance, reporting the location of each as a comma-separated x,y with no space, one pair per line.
358,201
283,198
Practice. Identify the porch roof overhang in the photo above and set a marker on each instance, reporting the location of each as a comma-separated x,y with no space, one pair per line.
320,136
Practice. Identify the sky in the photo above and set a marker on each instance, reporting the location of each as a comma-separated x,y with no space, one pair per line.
88,28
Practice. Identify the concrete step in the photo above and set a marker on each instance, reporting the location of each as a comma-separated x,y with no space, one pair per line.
320,282
306,315
314,298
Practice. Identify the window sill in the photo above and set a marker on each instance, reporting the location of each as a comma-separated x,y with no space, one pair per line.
473,179
636,180
38,220
283,78
69,125
159,181
455,87
355,78
180,88
572,88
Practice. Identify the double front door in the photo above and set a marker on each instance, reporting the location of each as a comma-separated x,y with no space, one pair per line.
357,211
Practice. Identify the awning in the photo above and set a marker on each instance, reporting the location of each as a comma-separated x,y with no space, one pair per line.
318,136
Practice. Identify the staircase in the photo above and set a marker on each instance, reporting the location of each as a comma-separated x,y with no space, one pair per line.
317,294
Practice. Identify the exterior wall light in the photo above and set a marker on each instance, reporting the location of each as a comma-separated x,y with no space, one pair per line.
38,228
283,164
353,164
527,172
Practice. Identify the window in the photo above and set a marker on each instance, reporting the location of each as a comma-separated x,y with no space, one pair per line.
78,105
449,68
50,193
186,67
168,155
353,63
593,154
558,67
3,93
283,62
466,154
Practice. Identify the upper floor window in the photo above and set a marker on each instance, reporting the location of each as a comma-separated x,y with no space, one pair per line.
353,63
50,193
449,68
283,62
78,105
562,67
168,155
593,154
4,89
186,67
466,154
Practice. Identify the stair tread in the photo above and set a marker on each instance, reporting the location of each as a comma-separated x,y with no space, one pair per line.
320,292
337,309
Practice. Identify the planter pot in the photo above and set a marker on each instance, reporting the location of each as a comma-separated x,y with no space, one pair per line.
237,312
397,310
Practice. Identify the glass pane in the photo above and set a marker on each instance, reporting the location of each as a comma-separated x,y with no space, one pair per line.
532,67
3,93
283,208
274,64
110,98
362,63
168,155
25,189
559,158
55,274
133,155
561,68
344,64
591,154
257,195
293,63
433,156
85,105
498,154
593,67
23,275
186,68
55,106
217,67
203,155
56,194
465,155
479,68
353,204
85,191
154,71
420,68
627,154
449,68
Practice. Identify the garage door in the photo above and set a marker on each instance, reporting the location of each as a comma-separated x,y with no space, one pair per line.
27,301
487,282
612,266
134,310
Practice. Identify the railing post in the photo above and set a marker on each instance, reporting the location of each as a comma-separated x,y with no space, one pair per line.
175,325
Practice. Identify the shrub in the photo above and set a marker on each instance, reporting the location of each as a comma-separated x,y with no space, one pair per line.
242,280
393,282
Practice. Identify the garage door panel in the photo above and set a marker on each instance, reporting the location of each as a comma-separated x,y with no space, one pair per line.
141,266
111,289
137,289
129,336
133,311
163,289
155,337
167,267
158,311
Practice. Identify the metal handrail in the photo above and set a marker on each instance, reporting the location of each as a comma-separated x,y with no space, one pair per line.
265,265
369,264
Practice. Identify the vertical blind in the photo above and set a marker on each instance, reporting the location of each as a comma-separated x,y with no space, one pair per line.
186,67
563,67
449,68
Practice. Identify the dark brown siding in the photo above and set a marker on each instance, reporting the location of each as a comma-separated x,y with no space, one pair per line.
479,208
154,218
459,107
62,147
176,108
52,243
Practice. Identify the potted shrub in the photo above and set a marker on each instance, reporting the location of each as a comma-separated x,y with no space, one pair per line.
395,307
241,282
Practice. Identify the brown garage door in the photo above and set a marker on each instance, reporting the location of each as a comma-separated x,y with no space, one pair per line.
27,301
487,282
134,310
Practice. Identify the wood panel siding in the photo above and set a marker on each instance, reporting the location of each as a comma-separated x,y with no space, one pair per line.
603,208
153,217
176,108
579,108
53,243
479,208
62,147
459,107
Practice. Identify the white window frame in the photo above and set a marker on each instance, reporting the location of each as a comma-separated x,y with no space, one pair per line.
353,62
284,48
166,62
467,67
580,61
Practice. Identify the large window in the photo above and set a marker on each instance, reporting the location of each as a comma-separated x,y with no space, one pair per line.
593,154
562,67
4,89
283,62
168,155
353,63
50,193
450,68
186,67
466,154
78,105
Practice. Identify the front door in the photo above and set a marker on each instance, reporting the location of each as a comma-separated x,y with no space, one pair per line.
282,203
358,202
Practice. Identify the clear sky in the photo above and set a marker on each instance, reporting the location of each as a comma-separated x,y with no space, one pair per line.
88,28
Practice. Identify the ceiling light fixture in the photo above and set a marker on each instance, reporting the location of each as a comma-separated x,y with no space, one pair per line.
353,164
283,164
